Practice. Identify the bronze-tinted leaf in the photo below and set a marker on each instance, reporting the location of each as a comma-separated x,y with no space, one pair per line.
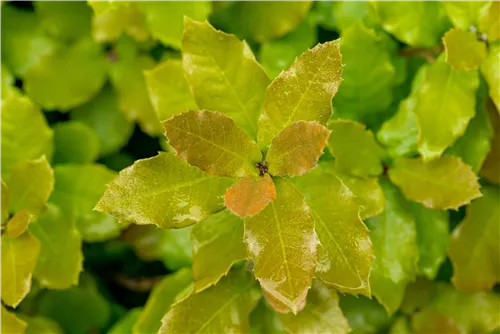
250,195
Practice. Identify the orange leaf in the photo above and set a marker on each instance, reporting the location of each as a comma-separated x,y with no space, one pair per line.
250,195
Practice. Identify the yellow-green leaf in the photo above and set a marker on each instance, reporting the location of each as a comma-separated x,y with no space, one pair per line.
490,21
213,143
20,142
283,245
355,149
446,183
445,104
430,321
250,195
11,323
464,14
223,74
297,148
463,50
475,244
18,224
230,303
60,261
126,322
345,250
168,89
217,244
160,301
5,202
302,92
491,72
163,190
265,320
19,256
490,169
75,143
39,324
321,314
364,315
8,89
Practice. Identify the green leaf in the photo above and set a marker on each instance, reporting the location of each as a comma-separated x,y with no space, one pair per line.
237,82
217,244
18,224
364,315
5,202
444,106
11,323
474,244
345,251
127,78
465,14
75,143
401,326
394,238
446,183
8,81
168,89
489,21
283,245
163,190
165,19
430,321
67,77
404,21
321,314
60,261
463,50
103,115
264,320
417,295
297,148
213,143
19,256
19,142
125,323
347,13
355,149
302,92
491,73
491,166
161,300
250,195
231,302
66,21
367,81
38,324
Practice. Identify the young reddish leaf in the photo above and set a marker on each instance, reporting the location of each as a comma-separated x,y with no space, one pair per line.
250,195
297,148
224,308
355,149
475,244
11,323
18,224
223,74
446,183
217,244
19,257
283,245
302,92
491,72
213,143
321,314
165,191
490,169
463,50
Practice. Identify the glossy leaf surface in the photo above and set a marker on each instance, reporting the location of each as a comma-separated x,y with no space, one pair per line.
250,195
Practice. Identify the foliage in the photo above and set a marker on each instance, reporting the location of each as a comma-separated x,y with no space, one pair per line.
250,167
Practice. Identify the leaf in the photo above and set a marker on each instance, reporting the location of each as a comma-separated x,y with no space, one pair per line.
283,245
302,92
297,148
491,166
231,302
321,314
18,224
446,183
165,20
75,142
19,256
126,322
8,87
417,295
345,252
163,190
20,142
250,195
392,230
491,73
102,114
475,243
401,326
39,324
463,50
489,21
403,20
127,78
67,77
429,321
465,14
168,89
213,143
355,149
237,82
443,117
11,323
364,315
160,301
264,320
5,203
367,81
65,21
217,244
60,261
